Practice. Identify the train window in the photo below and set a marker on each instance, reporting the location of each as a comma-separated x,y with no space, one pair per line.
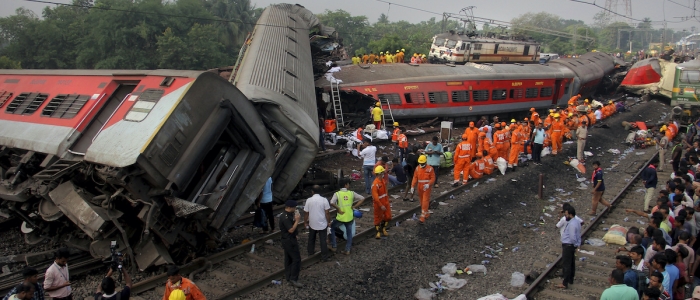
546,92
499,94
439,41
65,106
516,93
566,89
26,103
414,98
438,97
451,44
531,93
477,46
460,96
4,96
690,76
144,104
464,46
393,99
481,95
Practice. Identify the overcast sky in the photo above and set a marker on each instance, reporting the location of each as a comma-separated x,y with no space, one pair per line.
503,10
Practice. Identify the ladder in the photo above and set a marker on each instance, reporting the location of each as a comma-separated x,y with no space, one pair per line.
337,106
385,103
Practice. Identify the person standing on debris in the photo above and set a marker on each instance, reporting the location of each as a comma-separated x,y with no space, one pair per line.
382,208
570,240
650,180
423,178
433,151
581,135
537,143
377,115
57,278
23,291
177,282
289,221
318,218
598,188
31,277
462,160
368,155
618,290
107,288
343,202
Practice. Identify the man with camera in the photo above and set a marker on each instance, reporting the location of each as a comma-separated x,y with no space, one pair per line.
57,279
31,276
106,290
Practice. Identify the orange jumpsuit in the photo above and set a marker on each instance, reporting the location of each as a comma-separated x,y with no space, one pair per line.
463,158
557,131
191,290
386,174
477,169
535,117
548,121
473,134
499,138
515,147
574,99
422,176
506,142
591,118
488,165
372,58
582,118
381,199
365,59
491,148
382,59
613,109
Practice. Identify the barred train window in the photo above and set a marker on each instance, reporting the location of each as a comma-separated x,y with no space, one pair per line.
64,106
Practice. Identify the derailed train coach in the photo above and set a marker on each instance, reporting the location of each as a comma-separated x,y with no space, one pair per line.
164,162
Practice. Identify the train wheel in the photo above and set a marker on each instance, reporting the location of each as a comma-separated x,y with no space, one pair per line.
31,236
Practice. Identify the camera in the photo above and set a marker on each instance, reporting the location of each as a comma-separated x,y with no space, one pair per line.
116,258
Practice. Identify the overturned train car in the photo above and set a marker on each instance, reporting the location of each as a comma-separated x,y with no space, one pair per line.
163,161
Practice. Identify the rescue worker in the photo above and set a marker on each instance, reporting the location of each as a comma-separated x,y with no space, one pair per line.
389,57
402,144
472,137
515,146
177,282
377,115
556,133
673,130
488,163
548,121
525,131
403,55
365,58
423,177
423,59
414,59
591,116
372,57
382,58
343,202
582,117
360,138
499,139
476,171
506,140
395,138
574,99
463,155
488,146
535,117
613,107
356,60
382,210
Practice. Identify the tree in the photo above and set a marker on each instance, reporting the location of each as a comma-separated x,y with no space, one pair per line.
7,63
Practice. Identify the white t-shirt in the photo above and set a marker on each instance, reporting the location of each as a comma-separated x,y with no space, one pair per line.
317,206
562,222
598,114
369,155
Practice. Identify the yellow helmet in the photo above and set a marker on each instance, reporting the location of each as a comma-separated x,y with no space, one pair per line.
663,128
586,101
396,123
610,102
513,121
556,115
570,114
378,104
378,169
381,52
397,51
551,110
422,159
177,295
402,49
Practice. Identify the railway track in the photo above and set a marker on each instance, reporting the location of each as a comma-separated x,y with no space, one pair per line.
246,268
79,264
592,271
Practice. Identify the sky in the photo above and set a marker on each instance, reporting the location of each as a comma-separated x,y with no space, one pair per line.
672,10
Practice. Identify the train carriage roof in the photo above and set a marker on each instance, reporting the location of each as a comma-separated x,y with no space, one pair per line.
691,64
353,75
480,39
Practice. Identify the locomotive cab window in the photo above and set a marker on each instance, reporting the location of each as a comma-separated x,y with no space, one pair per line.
464,46
531,93
481,95
414,98
499,94
393,99
451,43
690,76
438,97
460,96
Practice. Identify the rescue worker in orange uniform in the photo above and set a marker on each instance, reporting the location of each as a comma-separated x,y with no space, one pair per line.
570,125
477,167
574,99
506,140
372,57
613,108
401,55
535,117
549,119
515,145
488,163
365,58
462,157
382,209
499,139
591,117
395,138
472,137
402,141
582,117
488,146
557,131
382,58
360,138
423,177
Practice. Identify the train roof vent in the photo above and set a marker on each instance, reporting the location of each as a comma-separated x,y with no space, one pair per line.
4,96
26,103
64,106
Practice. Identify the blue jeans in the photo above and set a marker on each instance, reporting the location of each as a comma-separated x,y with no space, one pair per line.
394,182
369,177
348,233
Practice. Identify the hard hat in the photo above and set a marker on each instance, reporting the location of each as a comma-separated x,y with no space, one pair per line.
378,104
513,121
532,109
402,49
663,128
556,115
497,125
378,169
586,101
357,213
396,123
571,114
465,136
551,110
471,124
610,102
422,159
397,51
526,119
482,134
382,52
177,295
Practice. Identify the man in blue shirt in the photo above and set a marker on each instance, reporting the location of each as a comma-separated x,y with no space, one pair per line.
537,139
570,240
598,188
624,264
659,263
266,205
433,151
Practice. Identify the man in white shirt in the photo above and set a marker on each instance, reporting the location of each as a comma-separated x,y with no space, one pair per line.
368,155
57,279
598,115
317,218
562,222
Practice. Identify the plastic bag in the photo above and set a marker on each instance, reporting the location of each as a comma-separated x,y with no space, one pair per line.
502,165
424,294
449,269
596,242
517,279
477,268
451,283
494,297
545,152
382,135
616,235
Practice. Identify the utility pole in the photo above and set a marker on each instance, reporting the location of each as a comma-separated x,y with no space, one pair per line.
618,38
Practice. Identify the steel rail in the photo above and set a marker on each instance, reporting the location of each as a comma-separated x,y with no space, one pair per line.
553,266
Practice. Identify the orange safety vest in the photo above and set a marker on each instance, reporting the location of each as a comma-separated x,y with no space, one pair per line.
379,193
463,151
395,136
423,176
358,135
574,99
488,165
477,169
403,141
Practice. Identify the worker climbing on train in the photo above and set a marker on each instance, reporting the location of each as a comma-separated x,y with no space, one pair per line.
463,155
423,179
535,117
365,58
574,99
499,139
488,163
557,130
403,145
473,136
476,171
382,209
372,57
515,145
377,115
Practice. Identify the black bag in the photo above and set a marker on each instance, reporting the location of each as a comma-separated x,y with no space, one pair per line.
260,219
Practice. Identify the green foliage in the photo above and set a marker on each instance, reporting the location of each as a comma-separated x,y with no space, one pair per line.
7,63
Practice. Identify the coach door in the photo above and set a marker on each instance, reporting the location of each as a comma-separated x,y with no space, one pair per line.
526,50
105,113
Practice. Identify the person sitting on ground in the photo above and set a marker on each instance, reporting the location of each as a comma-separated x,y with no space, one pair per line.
31,277
177,282
618,290
399,176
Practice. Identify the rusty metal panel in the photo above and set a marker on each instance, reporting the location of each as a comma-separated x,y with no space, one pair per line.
73,203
